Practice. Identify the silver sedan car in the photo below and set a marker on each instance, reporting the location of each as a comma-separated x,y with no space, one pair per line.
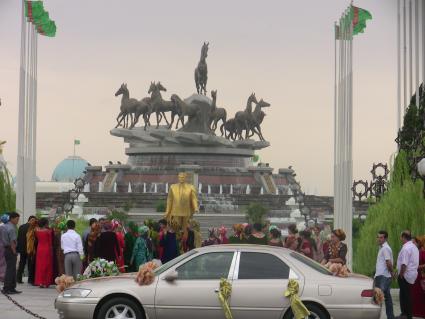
187,287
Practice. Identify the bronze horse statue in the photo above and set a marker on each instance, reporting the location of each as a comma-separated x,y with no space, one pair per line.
256,120
242,118
201,71
145,109
159,105
183,109
217,114
127,108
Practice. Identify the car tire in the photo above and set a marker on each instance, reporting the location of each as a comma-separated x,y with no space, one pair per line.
316,312
119,304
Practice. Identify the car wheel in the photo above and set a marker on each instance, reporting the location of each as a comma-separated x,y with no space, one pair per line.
120,308
315,313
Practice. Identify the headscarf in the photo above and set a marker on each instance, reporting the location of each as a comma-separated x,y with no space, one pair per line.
212,232
143,230
115,224
107,226
132,226
4,218
222,230
273,227
421,241
339,233
30,237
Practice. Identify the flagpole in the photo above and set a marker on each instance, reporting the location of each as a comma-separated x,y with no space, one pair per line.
417,43
398,68
404,57
337,33
410,51
21,118
423,47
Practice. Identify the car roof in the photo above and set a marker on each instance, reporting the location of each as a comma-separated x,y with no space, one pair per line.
263,248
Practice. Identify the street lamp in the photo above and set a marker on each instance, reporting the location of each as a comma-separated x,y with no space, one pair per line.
421,171
305,211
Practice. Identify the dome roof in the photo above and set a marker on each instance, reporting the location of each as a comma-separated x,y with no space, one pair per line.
69,169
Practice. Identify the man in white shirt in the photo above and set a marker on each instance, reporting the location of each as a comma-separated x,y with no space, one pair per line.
72,247
384,271
407,265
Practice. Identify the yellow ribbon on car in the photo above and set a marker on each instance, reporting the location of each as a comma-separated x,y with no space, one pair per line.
298,308
224,294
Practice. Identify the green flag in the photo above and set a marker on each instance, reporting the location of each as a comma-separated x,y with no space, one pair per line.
76,142
359,17
48,29
41,19
33,9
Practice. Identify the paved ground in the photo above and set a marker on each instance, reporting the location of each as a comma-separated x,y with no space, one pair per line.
35,299
41,301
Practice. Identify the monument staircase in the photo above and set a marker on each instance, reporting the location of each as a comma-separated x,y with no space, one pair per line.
268,183
109,181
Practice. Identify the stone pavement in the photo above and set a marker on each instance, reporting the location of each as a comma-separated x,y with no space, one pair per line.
41,302
36,299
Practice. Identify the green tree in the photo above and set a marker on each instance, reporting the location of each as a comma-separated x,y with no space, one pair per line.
7,194
256,213
118,215
402,207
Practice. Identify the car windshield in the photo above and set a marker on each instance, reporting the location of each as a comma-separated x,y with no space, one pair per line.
311,263
173,262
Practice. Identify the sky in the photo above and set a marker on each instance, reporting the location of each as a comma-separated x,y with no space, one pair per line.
280,49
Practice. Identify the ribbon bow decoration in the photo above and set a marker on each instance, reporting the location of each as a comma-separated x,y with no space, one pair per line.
298,308
224,294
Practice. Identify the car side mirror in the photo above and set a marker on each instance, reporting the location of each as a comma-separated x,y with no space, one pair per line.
171,276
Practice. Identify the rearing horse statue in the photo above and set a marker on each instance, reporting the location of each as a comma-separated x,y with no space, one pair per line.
201,72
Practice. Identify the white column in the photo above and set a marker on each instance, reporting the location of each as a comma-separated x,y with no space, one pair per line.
343,136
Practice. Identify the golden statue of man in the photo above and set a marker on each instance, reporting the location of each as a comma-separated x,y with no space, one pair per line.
182,203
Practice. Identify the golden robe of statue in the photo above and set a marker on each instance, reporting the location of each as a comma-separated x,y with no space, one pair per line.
182,203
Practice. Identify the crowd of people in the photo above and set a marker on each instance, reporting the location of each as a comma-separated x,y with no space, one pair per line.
49,252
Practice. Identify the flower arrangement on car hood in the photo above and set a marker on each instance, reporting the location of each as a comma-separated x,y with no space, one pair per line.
100,268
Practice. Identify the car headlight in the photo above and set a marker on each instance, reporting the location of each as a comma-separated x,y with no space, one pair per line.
76,293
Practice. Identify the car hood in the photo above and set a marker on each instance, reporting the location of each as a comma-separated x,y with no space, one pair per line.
113,280
122,284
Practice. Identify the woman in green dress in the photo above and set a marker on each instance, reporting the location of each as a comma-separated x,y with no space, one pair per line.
142,251
129,240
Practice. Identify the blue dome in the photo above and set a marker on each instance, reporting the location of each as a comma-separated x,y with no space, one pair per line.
69,169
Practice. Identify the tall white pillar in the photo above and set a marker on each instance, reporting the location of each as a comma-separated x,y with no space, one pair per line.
27,122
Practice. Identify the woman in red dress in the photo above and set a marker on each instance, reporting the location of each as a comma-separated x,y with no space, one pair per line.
417,291
121,243
44,255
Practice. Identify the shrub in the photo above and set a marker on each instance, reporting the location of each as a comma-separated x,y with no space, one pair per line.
7,194
402,207
161,206
256,213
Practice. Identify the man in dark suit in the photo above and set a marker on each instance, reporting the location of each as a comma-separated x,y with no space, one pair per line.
21,248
